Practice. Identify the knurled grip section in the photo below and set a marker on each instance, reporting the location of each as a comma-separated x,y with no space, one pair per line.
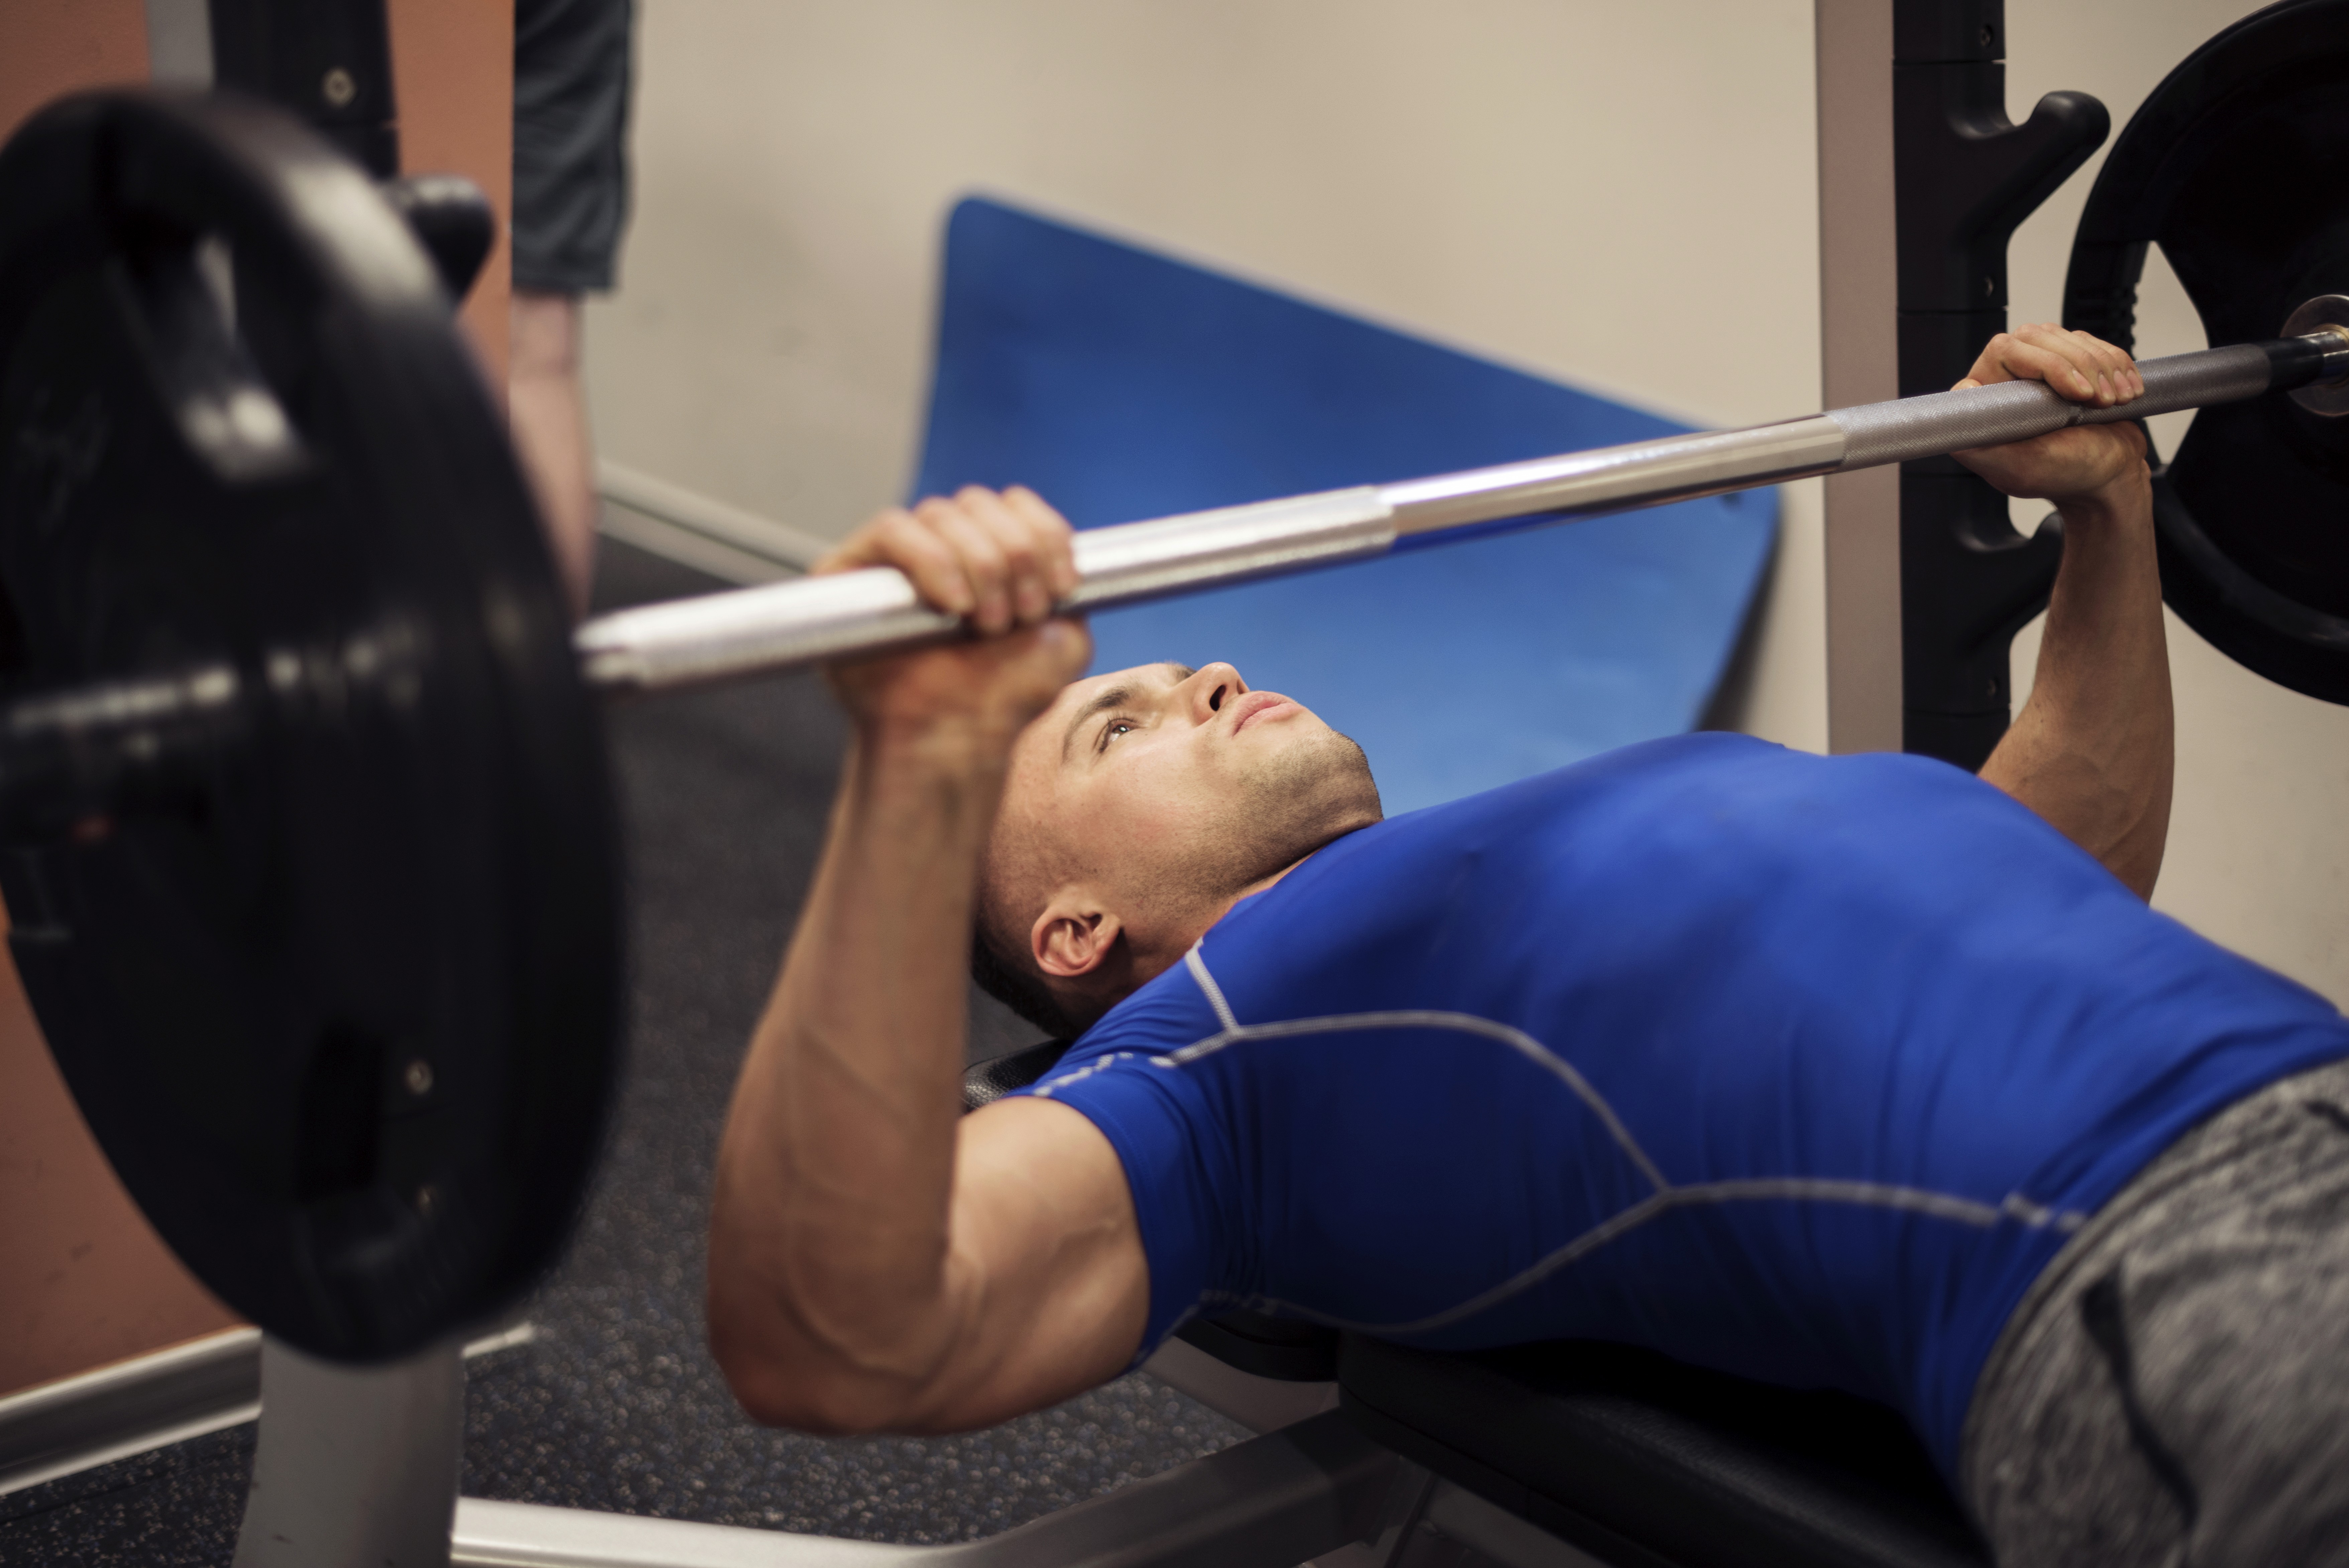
1940,423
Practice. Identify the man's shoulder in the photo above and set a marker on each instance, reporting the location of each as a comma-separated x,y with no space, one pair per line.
1162,1017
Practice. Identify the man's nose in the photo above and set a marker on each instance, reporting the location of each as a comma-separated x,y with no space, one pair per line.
1206,691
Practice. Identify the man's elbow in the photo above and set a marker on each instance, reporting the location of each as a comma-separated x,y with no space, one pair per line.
784,1373
820,1405
780,1381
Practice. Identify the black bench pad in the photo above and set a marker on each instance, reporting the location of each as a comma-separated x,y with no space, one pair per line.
1647,1463
985,1083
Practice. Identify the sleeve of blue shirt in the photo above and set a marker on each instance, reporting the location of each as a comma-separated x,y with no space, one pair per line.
1178,1163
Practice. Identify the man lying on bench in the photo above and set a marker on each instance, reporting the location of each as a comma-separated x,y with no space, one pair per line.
1854,1071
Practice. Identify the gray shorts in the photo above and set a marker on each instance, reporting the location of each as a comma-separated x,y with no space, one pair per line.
2175,1389
570,141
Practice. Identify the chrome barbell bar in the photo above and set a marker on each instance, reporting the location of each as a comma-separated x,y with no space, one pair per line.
749,631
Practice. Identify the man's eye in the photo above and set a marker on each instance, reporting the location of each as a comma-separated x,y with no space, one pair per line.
1114,729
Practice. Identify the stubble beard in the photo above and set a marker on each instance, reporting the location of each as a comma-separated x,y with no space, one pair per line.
1303,797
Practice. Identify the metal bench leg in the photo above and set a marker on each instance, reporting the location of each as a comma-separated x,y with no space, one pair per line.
358,1466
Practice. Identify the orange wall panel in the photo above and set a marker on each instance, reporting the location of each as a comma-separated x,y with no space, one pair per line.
452,70
83,1279
52,47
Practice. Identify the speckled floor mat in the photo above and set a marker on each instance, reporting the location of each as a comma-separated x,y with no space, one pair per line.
616,1405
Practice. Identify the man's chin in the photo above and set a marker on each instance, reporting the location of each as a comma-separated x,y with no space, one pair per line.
1313,791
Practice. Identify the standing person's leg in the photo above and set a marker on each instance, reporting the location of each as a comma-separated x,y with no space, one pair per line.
570,208
548,409
2175,1391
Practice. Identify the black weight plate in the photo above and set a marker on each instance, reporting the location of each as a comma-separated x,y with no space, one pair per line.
343,1011
2237,167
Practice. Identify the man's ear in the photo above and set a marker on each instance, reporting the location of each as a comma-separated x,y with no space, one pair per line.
1074,935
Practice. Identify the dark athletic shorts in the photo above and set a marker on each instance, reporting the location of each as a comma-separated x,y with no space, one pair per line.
2175,1389
570,142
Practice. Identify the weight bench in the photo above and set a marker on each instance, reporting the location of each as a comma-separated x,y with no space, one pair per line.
1617,1453
1644,1463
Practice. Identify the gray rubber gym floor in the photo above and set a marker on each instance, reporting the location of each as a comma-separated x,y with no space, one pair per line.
616,1405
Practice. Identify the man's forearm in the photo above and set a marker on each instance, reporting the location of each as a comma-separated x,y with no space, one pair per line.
2092,751
829,1221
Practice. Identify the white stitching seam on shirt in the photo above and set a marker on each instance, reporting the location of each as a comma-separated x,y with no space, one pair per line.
1044,1091
1940,1205
1667,1196
1197,962
1465,1023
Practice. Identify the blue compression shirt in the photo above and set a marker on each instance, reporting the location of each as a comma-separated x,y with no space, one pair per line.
1796,1068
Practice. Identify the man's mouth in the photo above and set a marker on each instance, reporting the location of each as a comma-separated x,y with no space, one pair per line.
1255,705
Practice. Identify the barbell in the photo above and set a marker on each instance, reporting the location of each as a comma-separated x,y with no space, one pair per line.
306,829
751,631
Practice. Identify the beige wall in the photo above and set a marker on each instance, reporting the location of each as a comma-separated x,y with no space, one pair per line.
1622,196
1599,191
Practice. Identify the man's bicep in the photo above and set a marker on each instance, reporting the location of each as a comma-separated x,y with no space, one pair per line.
1047,1264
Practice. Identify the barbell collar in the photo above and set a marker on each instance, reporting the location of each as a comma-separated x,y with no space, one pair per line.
74,759
2323,321
71,761
748,631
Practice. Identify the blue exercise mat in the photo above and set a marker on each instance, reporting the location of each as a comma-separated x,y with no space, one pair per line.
1122,385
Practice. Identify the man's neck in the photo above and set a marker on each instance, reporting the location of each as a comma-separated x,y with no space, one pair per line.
1181,936
1145,959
